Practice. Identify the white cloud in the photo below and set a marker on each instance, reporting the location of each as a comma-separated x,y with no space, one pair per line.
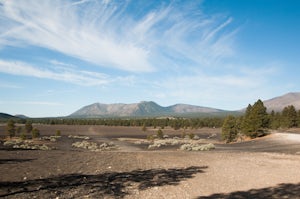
79,77
42,103
104,33
87,33
216,90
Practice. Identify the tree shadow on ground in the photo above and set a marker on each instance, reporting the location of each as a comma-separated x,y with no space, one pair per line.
113,184
291,191
14,161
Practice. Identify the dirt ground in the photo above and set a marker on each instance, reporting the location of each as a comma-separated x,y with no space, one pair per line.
267,167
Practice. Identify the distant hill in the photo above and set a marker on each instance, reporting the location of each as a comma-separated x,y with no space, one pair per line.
142,109
5,116
21,116
278,103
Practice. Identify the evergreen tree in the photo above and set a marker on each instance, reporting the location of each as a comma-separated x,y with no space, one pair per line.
144,128
275,118
229,129
11,128
289,117
256,120
28,127
35,133
245,125
298,118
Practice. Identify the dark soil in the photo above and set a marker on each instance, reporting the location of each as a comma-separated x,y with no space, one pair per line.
266,166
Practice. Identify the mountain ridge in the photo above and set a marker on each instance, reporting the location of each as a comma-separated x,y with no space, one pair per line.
152,109
143,108
278,103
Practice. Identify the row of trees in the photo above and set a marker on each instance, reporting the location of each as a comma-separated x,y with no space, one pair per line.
175,123
256,121
13,130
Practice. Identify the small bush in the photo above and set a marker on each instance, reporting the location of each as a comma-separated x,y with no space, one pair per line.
79,137
23,136
160,134
150,137
58,133
191,135
197,147
35,133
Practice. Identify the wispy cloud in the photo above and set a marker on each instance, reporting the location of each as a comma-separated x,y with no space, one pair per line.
106,34
79,77
38,103
211,89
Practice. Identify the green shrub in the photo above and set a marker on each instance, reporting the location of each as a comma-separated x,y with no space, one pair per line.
23,136
35,133
160,134
191,135
58,133
150,137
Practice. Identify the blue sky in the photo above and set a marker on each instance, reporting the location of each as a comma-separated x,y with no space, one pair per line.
57,56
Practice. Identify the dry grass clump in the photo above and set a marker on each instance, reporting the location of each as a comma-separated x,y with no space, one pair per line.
79,137
165,142
92,146
52,138
197,147
187,143
26,144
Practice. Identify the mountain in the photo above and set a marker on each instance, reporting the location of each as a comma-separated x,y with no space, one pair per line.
21,116
278,103
142,109
6,116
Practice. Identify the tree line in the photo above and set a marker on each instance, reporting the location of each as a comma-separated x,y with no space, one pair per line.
175,123
256,121
23,132
253,123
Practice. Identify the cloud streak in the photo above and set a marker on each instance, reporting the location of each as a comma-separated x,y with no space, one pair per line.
106,34
215,90
85,78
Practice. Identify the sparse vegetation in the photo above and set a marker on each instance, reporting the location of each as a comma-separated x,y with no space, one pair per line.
92,146
26,144
52,138
197,147
79,137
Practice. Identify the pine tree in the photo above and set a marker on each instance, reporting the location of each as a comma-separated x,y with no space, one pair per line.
35,133
245,125
11,128
298,118
256,120
229,129
289,117
28,127
275,120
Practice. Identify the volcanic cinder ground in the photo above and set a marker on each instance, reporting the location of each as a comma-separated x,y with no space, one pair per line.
267,167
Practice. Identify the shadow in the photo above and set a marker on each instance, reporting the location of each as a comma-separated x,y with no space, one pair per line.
14,161
291,191
107,184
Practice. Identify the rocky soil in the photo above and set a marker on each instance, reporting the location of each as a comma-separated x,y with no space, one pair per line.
263,168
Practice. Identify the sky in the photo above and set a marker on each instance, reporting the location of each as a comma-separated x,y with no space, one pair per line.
57,56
